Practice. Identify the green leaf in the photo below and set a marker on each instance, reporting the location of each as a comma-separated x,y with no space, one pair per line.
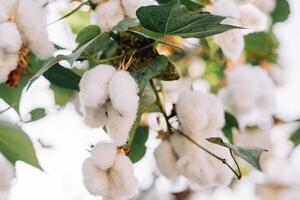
281,11
63,77
174,19
37,114
87,34
62,96
295,137
189,4
230,123
249,154
138,148
125,24
15,145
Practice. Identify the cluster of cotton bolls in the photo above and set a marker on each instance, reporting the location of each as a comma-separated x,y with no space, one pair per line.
118,10
7,173
201,115
109,173
249,14
21,22
250,95
109,98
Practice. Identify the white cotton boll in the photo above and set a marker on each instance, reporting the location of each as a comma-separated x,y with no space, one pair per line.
10,38
191,110
196,67
122,180
278,75
94,85
8,62
226,8
231,43
108,14
94,179
252,18
6,8
131,6
95,117
215,112
104,155
119,125
123,92
266,6
166,160
250,88
31,21
7,173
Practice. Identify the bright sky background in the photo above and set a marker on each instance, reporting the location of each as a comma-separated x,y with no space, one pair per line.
64,130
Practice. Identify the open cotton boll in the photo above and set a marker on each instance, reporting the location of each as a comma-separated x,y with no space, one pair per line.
10,38
215,112
232,43
119,125
6,8
95,117
94,85
8,62
266,6
108,14
104,155
252,18
131,6
123,92
166,159
192,111
226,8
7,173
94,179
31,21
122,180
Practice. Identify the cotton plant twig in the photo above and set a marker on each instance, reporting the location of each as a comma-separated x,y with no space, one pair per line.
171,129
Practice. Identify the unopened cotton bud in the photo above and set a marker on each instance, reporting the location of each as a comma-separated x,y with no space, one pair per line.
94,179
10,38
123,92
166,159
104,155
31,22
122,180
94,85
108,14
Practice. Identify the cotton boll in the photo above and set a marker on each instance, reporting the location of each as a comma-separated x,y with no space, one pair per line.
123,92
231,43
31,21
104,155
94,179
95,117
131,6
10,38
215,112
108,14
122,180
252,18
191,110
119,125
94,85
6,8
266,6
226,8
7,173
8,62
166,159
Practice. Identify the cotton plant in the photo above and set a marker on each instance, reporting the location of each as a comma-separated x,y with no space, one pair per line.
150,67
22,25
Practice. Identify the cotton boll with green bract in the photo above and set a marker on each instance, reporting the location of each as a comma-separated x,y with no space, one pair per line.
10,38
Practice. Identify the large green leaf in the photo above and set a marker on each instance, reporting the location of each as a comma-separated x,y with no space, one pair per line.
230,124
63,77
174,19
281,11
87,34
15,145
249,154
138,148
62,96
